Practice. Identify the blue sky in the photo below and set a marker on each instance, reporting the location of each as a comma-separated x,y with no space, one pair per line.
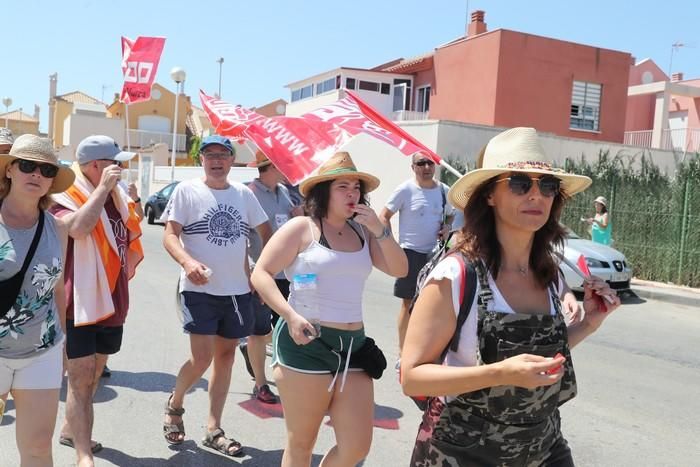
269,43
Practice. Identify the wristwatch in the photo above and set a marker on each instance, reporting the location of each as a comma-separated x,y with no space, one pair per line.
137,200
386,233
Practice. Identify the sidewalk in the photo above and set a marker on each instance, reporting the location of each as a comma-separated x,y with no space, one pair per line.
671,293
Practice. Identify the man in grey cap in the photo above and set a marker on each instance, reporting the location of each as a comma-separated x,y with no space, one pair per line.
6,140
104,231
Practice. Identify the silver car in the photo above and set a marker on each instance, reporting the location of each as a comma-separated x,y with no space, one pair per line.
603,261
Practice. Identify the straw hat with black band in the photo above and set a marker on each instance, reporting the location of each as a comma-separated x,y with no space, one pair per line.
261,160
34,148
517,150
340,165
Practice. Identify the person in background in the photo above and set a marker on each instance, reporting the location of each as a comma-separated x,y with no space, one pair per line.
601,227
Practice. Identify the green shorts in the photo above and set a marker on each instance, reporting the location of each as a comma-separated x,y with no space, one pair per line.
314,357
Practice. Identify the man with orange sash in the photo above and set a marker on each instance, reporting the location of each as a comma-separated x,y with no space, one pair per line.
103,252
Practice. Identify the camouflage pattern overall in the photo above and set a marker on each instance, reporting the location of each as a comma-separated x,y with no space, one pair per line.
503,425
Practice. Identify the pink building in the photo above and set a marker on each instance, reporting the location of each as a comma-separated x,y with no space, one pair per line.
498,78
662,113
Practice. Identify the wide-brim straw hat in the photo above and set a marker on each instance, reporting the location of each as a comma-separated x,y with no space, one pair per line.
601,200
34,148
514,150
340,165
261,160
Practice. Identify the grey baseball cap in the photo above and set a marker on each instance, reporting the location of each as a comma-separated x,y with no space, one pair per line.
98,147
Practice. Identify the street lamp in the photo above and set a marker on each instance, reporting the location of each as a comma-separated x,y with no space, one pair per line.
178,75
7,102
220,61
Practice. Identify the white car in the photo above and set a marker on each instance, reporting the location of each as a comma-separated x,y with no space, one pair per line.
603,261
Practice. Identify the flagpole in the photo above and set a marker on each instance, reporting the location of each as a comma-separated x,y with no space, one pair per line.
128,139
450,168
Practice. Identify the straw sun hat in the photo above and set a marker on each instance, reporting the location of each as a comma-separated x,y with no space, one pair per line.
34,148
601,200
261,160
340,165
514,150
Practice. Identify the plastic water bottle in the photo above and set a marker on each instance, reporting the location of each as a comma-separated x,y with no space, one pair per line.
306,301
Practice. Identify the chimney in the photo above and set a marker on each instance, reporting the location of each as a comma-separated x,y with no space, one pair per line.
53,83
477,25
677,77
37,110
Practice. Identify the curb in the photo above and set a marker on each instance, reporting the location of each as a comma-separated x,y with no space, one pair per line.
663,294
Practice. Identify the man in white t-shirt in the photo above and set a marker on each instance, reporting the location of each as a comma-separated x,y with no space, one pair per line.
208,223
424,219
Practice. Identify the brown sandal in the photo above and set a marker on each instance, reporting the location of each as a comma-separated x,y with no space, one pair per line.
170,429
217,440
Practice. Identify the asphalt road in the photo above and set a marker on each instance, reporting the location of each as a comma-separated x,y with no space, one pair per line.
638,378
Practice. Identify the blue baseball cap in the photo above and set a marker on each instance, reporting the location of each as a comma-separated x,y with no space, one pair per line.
98,147
217,139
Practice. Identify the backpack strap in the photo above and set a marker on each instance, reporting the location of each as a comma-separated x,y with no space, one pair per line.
468,283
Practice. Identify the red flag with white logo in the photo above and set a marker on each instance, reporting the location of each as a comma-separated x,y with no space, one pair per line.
298,145
139,65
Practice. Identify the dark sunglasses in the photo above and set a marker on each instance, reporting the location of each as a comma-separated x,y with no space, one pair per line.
521,184
423,163
27,167
112,162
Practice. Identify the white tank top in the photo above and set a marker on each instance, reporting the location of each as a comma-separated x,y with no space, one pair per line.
340,277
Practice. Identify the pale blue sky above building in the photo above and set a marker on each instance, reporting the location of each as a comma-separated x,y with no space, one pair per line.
269,43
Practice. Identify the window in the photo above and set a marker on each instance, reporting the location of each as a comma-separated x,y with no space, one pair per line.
369,86
386,88
585,106
423,101
350,83
402,94
296,94
303,93
325,86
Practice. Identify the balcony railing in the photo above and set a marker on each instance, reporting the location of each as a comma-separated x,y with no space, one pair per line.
406,115
678,139
143,139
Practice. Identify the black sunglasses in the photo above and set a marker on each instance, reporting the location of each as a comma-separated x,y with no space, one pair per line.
27,167
112,161
423,163
521,184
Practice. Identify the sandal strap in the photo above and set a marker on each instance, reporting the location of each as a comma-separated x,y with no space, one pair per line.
172,411
216,434
173,428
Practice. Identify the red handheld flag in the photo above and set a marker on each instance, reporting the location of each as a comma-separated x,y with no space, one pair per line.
140,60
298,145
583,266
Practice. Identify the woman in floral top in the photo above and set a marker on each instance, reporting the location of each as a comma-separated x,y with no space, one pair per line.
31,326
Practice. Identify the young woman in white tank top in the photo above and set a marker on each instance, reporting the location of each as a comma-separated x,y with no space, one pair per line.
313,379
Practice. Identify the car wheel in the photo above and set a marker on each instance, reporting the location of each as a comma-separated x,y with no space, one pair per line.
151,215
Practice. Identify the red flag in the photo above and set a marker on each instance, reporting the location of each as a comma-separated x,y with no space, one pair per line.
298,145
139,65
583,266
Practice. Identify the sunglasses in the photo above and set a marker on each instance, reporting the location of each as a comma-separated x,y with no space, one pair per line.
521,184
424,163
216,155
27,167
112,162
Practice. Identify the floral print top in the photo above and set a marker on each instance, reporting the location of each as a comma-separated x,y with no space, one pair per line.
32,325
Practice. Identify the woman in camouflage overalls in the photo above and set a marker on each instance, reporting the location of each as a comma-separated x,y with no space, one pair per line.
495,398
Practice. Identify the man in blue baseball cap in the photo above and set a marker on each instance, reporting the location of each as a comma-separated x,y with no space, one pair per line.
208,221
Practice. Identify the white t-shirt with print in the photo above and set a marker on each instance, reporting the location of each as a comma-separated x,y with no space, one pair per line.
451,268
215,229
420,214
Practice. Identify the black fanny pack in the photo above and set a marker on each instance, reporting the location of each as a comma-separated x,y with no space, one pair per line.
10,288
369,357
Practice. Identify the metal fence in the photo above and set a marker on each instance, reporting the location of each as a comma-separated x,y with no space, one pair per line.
655,216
